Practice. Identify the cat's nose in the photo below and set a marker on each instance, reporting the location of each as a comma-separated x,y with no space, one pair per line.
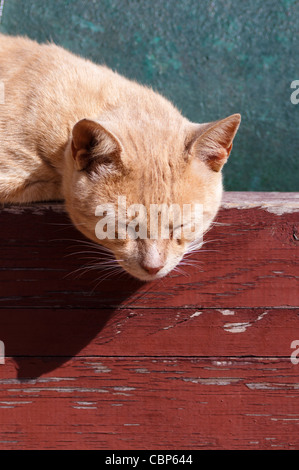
152,270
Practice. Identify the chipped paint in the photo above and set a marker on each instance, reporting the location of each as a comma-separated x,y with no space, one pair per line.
226,312
36,381
12,404
222,363
213,381
124,389
58,390
142,370
196,314
98,367
85,407
275,203
236,327
241,327
85,403
272,386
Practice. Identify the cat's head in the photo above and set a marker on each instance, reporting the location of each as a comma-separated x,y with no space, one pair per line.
153,164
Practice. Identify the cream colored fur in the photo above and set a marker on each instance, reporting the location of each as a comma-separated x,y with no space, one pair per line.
75,131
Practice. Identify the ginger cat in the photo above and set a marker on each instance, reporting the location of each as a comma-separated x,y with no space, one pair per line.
76,131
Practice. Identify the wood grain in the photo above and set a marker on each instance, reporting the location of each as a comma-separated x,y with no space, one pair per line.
153,403
250,261
194,361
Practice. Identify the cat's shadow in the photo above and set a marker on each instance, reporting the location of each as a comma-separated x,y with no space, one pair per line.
51,314
44,340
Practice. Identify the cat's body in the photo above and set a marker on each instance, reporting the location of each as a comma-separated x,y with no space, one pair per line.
73,130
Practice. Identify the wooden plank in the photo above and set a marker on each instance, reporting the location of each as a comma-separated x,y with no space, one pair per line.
188,362
243,263
149,332
153,403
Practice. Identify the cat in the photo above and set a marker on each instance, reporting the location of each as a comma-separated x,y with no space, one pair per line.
75,131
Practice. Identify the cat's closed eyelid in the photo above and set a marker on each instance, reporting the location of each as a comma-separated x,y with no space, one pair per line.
177,227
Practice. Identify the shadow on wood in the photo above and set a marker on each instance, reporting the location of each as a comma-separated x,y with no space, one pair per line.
39,260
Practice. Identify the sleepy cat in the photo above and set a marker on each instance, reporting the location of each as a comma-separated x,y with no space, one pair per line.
75,131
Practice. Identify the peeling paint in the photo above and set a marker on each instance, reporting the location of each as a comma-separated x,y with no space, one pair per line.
275,203
142,370
236,327
124,389
85,403
272,386
223,363
196,314
98,367
213,381
58,390
85,407
242,327
227,312
13,403
35,381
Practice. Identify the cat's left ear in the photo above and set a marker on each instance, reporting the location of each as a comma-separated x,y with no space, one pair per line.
93,144
212,142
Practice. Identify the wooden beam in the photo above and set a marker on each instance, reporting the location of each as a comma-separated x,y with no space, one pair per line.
198,360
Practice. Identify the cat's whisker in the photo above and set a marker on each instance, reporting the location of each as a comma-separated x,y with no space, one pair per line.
63,226
95,248
103,278
70,224
106,254
97,255
198,246
190,262
87,242
180,271
96,265
221,224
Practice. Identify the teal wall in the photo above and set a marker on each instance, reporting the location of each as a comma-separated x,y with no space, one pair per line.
211,58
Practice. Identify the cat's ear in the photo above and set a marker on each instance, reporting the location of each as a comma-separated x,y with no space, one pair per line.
93,144
212,142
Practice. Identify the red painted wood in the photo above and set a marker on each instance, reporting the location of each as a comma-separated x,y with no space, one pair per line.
196,361
150,332
153,403
245,265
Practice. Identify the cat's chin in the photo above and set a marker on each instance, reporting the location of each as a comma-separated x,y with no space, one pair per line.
147,277
144,277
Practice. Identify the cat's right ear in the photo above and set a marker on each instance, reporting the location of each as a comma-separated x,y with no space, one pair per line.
92,144
212,142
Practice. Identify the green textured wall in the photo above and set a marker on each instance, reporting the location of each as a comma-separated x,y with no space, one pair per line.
211,58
